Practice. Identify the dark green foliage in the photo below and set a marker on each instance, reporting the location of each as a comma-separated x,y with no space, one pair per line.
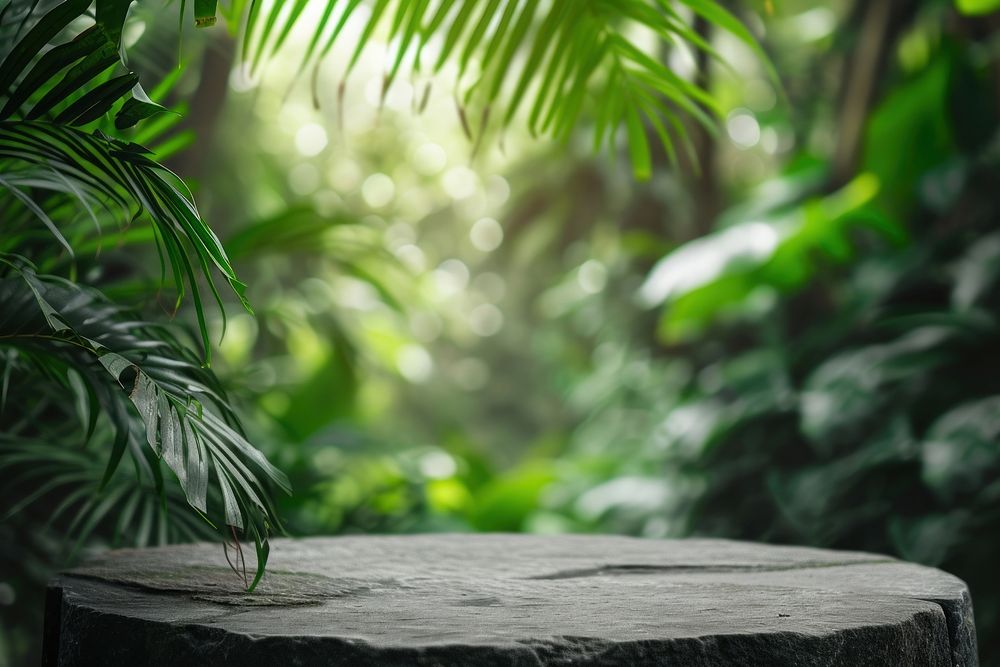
839,378
174,396
87,379
75,182
884,436
814,365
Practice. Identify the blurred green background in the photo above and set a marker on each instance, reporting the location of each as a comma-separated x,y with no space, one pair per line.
790,334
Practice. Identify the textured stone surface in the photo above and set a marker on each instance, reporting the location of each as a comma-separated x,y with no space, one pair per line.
511,600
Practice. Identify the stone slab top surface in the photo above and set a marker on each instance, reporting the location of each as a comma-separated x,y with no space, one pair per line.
511,599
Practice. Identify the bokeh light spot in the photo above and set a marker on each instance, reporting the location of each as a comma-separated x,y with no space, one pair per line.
486,234
743,128
378,190
310,140
485,320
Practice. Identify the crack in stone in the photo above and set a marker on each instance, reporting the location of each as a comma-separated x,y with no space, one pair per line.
216,585
632,569
961,628
452,600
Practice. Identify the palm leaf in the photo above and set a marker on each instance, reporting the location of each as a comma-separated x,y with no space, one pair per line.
72,338
546,57
131,509
178,404
75,74
114,172
74,83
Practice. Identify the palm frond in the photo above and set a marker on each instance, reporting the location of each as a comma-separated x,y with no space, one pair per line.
136,387
547,59
67,484
80,80
95,168
178,404
55,88
65,70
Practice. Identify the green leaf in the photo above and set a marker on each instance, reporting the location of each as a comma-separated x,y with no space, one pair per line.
204,12
111,15
263,549
169,392
35,40
564,44
713,12
50,64
32,206
76,78
108,169
638,146
136,108
98,101
977,7
118,445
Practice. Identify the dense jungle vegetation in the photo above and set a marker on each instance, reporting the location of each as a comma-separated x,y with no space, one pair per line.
651,267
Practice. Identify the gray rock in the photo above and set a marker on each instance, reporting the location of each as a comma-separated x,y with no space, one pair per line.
510,600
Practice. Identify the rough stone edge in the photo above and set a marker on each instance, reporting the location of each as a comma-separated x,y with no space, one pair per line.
960,617
141,641
958,612
52,619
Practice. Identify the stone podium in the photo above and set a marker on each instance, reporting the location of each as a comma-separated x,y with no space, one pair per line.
492,599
